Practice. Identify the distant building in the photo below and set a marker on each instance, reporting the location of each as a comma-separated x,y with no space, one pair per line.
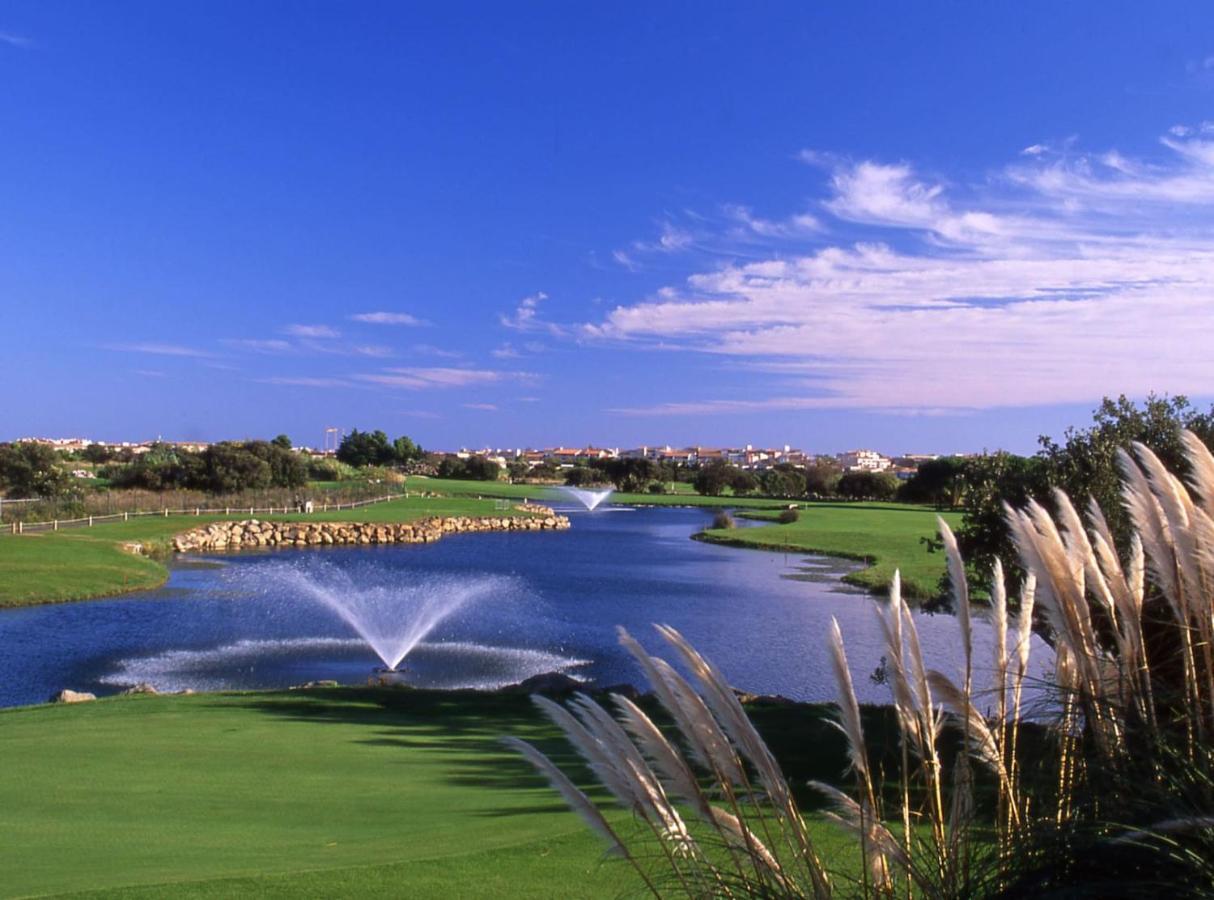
863,461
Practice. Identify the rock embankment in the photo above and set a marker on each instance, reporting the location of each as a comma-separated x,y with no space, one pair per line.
253,533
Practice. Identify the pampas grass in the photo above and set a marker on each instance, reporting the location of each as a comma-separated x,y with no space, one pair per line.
1117,759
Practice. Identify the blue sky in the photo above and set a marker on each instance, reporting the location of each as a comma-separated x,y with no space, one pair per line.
930,226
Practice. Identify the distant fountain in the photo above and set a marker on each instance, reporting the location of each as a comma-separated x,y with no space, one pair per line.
588,499
392,617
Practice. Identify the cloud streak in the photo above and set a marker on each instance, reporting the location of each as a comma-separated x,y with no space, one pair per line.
388,318
1061,278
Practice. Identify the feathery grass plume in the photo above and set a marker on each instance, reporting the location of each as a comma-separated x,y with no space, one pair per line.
865,824
961,595
999,640
849,708
1201,470
573,795
982,742
673,770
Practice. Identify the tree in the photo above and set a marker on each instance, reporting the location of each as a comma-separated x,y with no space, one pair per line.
405,450
475,468
366,448
784,481
32,470
580,476
743,482
1084,465
98,453
631,474
518,470
287,469
867,485
939,481
230,467
822,477
712,478
282,441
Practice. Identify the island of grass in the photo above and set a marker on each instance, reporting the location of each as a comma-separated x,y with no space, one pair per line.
332,792
888,537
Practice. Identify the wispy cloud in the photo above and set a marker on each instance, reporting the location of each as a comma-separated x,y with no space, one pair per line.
20,41
431,350
440,377
388,318
312,331
526,316
306,381
272,345
149,373
1060,278
159,349
484,407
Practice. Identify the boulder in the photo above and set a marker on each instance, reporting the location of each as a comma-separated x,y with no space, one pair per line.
142,688
69,696
546,683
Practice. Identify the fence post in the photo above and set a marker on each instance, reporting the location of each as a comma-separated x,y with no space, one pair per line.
20,527
90,521
250,510
126,517
166,512
195,510
227,510
55,525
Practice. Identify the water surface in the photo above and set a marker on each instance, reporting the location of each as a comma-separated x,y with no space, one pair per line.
234,621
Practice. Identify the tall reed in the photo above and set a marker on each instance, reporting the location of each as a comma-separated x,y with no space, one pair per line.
1109,781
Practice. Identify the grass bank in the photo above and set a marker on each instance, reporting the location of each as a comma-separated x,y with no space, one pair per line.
81,563
333,793
886,536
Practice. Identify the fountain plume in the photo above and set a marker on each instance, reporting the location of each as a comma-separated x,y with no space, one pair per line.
588,499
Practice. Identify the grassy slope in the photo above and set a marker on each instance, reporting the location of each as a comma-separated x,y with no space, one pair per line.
886,535
325,793
74,564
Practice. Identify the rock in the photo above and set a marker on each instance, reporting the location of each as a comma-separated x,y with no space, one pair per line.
69,696
142,688
546,683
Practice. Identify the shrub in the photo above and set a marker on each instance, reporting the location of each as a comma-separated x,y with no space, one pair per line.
723,520
656,487
788,516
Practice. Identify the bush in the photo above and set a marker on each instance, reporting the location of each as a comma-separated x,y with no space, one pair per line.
788,516
723,520
656,487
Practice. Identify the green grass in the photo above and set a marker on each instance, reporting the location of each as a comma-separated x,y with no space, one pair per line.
330,793
887,536
683,495
80,563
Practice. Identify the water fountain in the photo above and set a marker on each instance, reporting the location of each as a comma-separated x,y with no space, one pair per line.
588,499
391,617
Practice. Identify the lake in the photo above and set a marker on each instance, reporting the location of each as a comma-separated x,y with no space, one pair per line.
535,602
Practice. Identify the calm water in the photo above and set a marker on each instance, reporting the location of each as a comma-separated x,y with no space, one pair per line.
554,603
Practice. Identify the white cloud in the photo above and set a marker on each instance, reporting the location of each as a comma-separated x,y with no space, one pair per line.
526,316
420,378
484,407
158,349
388,318
307,381
273,345
1054,282
312,331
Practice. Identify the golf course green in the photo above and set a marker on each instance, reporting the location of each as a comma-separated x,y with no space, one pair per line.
327,792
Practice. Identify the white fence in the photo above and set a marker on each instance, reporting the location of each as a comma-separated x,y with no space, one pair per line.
90,521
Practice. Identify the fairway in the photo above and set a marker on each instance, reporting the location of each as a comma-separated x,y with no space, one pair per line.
887,536
340,792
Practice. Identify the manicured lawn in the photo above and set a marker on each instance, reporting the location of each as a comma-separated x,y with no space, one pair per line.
78,563
341,792
885,535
